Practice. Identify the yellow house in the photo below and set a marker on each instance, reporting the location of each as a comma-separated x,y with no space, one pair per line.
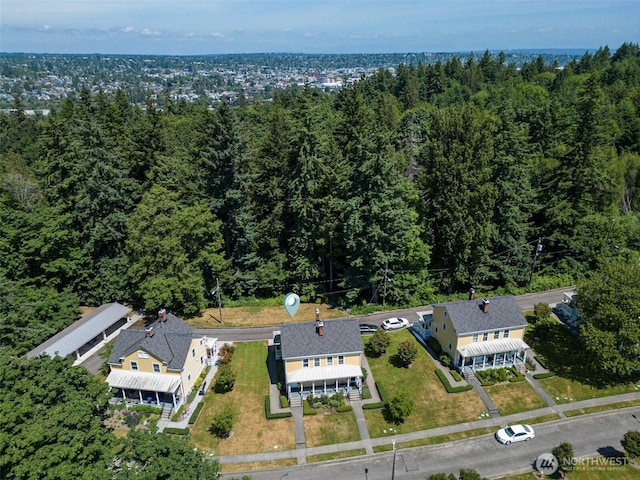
158,365
322,358
480,334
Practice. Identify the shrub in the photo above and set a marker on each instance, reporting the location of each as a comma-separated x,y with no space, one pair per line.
381,392
284,402
541,312
373,406
223,423
225,379
542,361
434,345
196,412
456,376
445,360
400,407
344,408
267,410
365,374
307,410
318,405
335,403
539,376
378,343
146,409
407,351
366,393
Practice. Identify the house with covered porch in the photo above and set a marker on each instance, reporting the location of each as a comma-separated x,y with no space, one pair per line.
481,333
159,364
322,358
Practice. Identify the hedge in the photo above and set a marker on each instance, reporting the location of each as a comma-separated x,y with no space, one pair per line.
538,376
373,406
381,392
267,410
541,361
142,408
176,431
196,412
284,402
344,408
307,410
456,376
447,385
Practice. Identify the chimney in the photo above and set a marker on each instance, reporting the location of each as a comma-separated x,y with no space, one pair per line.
317,314
472,293
320,328
485,305
162,315
149,331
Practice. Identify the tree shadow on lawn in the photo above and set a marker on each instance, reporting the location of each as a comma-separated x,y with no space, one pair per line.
563,353
397,362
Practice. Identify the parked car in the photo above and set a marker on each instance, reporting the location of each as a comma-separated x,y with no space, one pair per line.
515,433
395,323
367,328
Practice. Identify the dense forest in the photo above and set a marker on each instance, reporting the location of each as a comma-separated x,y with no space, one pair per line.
393,190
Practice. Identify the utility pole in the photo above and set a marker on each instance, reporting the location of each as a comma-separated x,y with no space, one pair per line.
393,467
213,292
535,258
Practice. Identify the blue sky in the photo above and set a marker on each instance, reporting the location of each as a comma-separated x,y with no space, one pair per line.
186,27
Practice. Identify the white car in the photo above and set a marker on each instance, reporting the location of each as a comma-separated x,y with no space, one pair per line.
395,323
515,433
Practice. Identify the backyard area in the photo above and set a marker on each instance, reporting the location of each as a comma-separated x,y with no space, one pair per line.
433,406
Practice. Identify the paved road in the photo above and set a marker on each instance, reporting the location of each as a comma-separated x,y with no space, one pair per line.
590,436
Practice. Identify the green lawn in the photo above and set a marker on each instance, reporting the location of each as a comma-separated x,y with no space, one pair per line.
433,406
514,397
252,432
562,353
331,428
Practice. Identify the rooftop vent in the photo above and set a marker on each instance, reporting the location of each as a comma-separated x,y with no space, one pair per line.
149,331
162,315
472,293
485,305
320,328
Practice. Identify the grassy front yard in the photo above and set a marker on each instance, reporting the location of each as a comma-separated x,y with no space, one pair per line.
252,432
330,428
514,397
433,406
562,353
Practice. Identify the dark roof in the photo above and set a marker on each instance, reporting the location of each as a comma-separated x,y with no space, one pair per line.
467,316
302,340
169,343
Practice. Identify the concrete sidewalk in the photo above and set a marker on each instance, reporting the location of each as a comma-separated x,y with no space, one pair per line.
434,432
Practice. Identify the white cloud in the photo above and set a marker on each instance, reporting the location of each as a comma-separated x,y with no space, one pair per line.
150,33
217,34
127,29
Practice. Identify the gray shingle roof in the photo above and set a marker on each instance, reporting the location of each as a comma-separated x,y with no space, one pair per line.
467,316
170,342
301,339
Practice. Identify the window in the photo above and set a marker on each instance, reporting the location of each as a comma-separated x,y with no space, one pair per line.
505,334
340,359
156,367
329,361
305,363
474,338
444,326
193,352
316,362
485,336
189,377
201,360
142,354
449,346
496,335
134,365
436,329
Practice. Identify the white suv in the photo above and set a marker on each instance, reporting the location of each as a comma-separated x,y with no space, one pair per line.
395,323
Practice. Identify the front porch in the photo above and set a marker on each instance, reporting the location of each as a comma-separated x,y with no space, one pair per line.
501,353
305,382
140,388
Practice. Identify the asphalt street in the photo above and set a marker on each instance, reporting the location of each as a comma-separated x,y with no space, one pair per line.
590,436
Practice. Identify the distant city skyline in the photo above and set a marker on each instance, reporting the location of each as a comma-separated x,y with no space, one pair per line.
188,27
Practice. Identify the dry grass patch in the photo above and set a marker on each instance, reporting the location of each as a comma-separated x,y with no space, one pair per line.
262,316
250,466
329,429
514,397
252,432
433,406
602,408
563,390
